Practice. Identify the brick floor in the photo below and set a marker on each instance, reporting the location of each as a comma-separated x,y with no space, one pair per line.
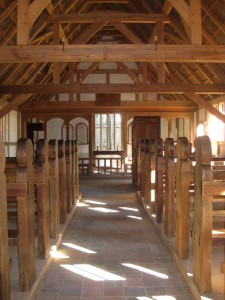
111,251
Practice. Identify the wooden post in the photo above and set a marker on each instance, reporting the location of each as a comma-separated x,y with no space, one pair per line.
159,180
62,181
169,222
25,211
202,228
4,251
68,149
182,197
53,189
43,211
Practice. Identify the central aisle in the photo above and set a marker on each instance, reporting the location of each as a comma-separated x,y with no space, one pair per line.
111,252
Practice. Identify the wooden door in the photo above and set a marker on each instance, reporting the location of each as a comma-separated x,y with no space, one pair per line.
143,128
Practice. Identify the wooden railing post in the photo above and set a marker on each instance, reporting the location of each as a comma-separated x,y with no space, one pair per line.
53,188
183,174
43,209
25,211
169,220
202,228
4,249
62,181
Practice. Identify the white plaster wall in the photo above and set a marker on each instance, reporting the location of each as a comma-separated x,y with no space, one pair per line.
54,128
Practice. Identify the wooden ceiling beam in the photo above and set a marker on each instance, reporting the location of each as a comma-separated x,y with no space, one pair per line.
165,88
106,16
122,52
206,105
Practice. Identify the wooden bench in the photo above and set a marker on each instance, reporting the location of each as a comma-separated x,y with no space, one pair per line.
4,251
62,182
41,181
152,176
53,188
20,185
209,188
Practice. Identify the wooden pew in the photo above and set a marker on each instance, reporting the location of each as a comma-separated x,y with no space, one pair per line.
184,178
76,172
41,171
169,217
4,251
53,188
148,169
62,182
21,186
159,180
207,190
69,178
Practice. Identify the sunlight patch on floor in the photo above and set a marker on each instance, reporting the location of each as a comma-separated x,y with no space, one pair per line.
103,209
164,297
128,208
95,202
79,248
145,270
57,254
81,204
134,217
92,272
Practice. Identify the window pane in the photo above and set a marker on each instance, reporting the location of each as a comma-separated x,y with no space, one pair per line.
97,120
118,120
104,120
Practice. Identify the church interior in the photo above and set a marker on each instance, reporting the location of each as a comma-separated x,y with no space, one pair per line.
103,99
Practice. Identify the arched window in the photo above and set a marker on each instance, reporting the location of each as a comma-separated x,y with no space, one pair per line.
82,134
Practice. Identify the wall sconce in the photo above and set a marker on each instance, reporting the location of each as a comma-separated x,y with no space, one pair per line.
63,43
155,41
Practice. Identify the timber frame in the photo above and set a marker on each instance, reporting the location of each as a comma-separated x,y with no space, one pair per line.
177,46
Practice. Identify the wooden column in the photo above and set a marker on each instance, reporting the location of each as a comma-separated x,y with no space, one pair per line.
160,40
196,22
23,22
56,66
71,79
53,189
4,250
